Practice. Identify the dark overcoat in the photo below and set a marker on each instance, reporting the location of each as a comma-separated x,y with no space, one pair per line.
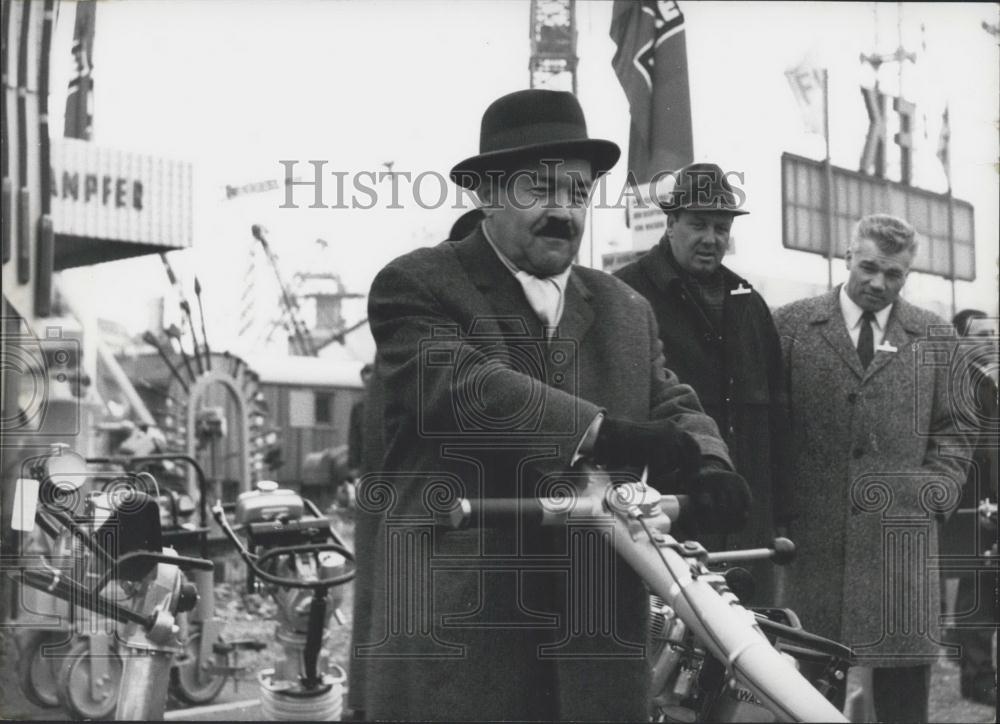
963,538
366,524
878,460
737,372
979,411
505,623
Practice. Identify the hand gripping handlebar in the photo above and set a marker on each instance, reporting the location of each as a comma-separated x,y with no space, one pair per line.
676,572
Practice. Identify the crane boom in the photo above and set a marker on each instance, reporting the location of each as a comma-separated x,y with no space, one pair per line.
302,338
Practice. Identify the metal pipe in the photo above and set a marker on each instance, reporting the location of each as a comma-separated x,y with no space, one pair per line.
150,339
145,678
314,638
204,334
727,631
828,177
175,334
185,308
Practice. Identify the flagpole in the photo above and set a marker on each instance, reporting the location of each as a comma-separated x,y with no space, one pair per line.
828,170
591,225
951,246
944,155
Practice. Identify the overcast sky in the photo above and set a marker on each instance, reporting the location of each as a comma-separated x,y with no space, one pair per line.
235,87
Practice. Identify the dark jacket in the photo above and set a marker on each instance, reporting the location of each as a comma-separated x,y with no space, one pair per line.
977,410
366,523
356,433
481,624
737,373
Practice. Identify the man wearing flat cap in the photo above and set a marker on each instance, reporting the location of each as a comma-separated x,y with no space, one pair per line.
718,337
504,364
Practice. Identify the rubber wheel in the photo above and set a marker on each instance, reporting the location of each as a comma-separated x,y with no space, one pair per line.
36,673
184,683
74,685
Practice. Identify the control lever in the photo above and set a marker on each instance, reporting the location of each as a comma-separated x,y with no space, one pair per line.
781,554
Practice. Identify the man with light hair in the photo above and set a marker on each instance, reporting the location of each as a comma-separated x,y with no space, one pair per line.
877,459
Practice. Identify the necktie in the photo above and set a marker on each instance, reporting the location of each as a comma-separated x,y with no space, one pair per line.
866,339
544,296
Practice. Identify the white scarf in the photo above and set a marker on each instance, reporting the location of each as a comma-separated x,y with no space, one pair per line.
546,295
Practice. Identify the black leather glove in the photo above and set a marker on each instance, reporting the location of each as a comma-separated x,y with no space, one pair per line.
660,444
720,499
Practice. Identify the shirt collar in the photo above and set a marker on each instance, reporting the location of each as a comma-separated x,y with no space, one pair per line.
852,312
559,280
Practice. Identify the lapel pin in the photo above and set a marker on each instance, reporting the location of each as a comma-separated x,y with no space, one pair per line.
740,290
886,347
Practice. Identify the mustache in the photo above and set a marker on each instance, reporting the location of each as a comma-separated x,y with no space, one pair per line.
559,228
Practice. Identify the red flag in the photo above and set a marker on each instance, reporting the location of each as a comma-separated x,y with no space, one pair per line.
651,64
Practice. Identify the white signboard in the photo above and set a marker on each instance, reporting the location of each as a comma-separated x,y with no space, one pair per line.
119,196
646,220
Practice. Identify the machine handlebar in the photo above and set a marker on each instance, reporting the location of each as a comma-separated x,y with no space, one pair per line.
677,573
255,563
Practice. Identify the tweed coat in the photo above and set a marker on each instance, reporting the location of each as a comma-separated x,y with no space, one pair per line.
504,623
737,372
878,459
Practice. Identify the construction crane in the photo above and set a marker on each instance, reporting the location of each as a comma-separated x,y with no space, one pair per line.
299,335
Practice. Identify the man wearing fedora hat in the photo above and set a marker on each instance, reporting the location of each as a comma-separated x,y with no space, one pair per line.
503,364
718,337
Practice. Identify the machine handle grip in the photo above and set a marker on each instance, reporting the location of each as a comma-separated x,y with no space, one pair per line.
782,553
254,562
321,583
501,512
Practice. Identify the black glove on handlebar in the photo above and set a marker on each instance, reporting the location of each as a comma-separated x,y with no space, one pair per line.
720,499
660,444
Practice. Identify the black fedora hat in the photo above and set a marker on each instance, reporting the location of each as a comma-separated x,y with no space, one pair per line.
534,124
702,187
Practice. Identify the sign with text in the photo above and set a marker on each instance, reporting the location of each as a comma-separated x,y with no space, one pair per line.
646,220
944,248
110,204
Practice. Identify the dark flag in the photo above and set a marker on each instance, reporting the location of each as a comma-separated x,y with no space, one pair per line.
651,64
79,115
944,146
